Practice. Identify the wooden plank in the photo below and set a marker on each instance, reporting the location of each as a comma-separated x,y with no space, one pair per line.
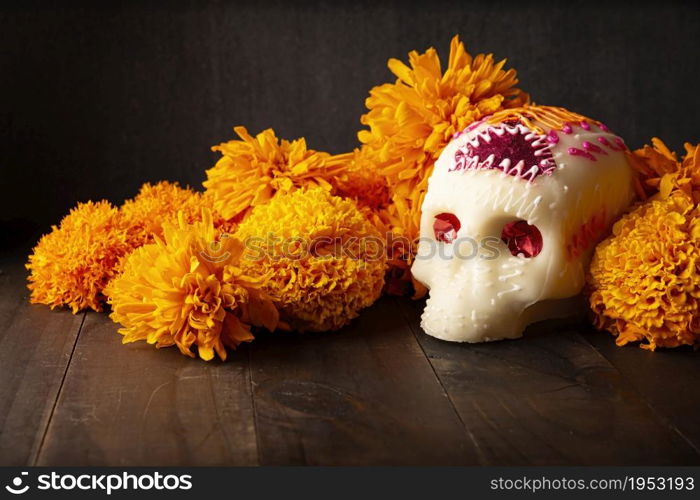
365,395
549,399
126,405
668,379
35,349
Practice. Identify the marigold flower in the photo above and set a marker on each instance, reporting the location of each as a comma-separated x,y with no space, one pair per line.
325,260
686,177
155,204
645,279
189,290
412,120
363,184
358,180
252,169
71,265
651,163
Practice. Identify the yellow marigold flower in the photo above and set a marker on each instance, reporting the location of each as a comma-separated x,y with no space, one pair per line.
645,278
71,265
358,180
252,169
325,260
189,290
651,163
362,183
223,225
155,204
687,177
412,120
659,169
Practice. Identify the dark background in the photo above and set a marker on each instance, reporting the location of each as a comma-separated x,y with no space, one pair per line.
96,100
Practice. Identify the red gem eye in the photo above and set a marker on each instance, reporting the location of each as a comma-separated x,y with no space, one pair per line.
446,227
522,238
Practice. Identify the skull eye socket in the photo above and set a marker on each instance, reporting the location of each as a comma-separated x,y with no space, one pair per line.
446,227
522,238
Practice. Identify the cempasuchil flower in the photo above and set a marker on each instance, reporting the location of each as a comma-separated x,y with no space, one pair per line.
645,278
252,170
325,260
155,204
71,265
188,289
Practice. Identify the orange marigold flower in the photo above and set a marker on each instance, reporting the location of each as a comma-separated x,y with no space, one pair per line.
651,163
188,289
362,183
252,169
71,265
687,177
155,204
659,170
325,260
223,225
359,181
412,120
645,278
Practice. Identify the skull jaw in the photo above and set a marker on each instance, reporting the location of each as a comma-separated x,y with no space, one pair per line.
454,319
460,322
473,335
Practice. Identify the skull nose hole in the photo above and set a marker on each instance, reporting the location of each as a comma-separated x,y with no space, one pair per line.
522,238
446,227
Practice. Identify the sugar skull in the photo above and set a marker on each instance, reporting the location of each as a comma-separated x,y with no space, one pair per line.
514,207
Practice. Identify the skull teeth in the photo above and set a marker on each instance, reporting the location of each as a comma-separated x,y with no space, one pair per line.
532,173
517,170
486,136
540,142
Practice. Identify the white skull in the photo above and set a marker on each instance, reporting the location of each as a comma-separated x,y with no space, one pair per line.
492,184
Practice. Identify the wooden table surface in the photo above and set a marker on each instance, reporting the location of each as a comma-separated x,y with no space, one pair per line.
378,392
